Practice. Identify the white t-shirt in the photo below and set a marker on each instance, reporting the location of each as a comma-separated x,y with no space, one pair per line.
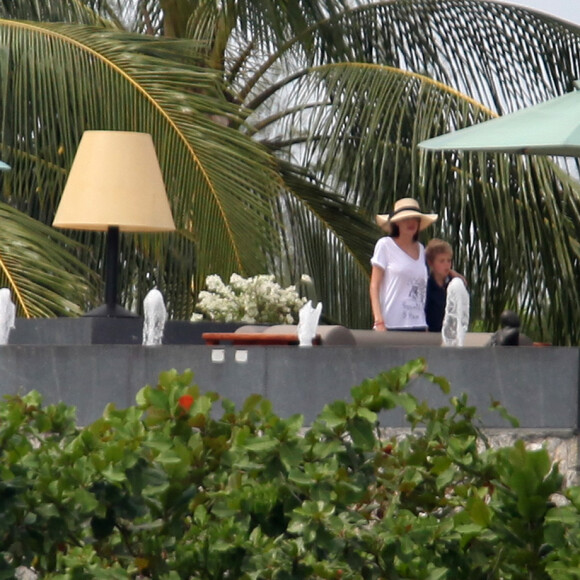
404,285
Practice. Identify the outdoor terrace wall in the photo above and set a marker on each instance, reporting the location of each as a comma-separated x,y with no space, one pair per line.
71,361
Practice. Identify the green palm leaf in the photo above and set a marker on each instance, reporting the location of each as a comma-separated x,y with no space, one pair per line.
317,226
514,242
38,266
357,127
283,128
60,11
219,182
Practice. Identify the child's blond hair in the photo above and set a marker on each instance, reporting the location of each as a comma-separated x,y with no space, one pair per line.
436,247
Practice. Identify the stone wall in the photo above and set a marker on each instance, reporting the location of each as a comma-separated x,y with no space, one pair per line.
561,444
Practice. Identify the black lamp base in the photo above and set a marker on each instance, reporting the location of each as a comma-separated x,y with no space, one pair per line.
111,311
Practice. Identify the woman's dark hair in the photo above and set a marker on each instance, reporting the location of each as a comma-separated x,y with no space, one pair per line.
395,233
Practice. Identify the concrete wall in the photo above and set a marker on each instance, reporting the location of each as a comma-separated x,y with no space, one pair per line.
90,362
538,385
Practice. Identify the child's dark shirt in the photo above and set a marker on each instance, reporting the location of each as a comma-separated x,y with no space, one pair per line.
435,303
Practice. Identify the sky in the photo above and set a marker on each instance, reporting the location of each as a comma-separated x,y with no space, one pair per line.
564,9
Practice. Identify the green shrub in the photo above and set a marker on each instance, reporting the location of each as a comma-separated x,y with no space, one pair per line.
175,488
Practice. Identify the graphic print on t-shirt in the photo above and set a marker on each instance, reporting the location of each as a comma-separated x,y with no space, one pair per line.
412,304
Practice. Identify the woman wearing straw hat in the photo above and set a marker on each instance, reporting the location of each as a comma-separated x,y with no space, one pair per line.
399,273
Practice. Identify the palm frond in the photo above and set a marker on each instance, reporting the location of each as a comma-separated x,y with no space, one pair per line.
512,221
39,267
502,55
451,63
317,224
282,128
71,11
66,79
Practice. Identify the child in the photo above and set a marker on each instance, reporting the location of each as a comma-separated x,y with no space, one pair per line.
439,255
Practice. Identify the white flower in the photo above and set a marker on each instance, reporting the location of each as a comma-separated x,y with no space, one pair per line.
250,300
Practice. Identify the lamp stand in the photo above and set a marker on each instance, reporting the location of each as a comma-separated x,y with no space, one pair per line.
111,309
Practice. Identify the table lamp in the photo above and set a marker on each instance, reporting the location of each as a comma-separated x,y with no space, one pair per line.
114,185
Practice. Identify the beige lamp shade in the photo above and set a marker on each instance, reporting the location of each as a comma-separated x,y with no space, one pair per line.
115,180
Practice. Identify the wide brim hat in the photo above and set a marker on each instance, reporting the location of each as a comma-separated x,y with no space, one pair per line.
405,208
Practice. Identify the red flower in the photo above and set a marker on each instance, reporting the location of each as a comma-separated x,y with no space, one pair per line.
185,402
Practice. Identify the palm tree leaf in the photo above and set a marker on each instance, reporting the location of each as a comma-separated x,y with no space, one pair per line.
494,209
316,225
338,98
73,11
219,182
357,132
38,266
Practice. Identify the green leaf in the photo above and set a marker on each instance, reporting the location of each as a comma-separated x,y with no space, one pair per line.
169,457
496,406
565,515
478,511
437,574
573,494
158,399
446,477
334,414
200,515
85,500
261,444
407,401
113,474
442,382
291,455
367,415
362,433
324,449
301,478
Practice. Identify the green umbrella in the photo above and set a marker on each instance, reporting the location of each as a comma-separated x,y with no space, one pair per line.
550,128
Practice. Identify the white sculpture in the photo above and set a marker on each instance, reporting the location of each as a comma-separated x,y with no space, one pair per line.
155,317
7,315
308,322
456,320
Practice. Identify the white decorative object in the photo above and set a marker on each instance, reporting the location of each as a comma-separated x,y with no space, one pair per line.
7,315
308,322
155,317
456,320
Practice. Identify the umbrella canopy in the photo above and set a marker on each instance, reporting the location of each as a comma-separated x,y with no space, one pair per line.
4,166
550,128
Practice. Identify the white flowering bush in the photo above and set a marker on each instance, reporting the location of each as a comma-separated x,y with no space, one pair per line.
249,300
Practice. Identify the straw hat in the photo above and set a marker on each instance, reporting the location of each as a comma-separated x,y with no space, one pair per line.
407,207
